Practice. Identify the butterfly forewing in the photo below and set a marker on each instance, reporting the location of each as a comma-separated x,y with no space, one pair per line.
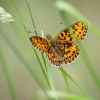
74,33
40,43
78,31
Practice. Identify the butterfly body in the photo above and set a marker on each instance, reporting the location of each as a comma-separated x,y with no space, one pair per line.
62,49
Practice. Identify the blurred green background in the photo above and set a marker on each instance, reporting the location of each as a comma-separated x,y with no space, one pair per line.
46,17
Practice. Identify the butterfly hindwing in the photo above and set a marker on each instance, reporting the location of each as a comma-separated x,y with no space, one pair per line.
71,52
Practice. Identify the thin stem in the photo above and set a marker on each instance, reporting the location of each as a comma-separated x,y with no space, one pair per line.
19,15
66,81
42,68
31,17
51,82
24,24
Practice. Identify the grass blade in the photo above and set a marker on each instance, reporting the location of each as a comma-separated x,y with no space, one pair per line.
67,96
61,69
7,76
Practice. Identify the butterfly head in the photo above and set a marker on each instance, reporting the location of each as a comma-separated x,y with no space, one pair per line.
49,38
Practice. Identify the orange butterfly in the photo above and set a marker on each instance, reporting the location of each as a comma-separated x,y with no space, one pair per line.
62,49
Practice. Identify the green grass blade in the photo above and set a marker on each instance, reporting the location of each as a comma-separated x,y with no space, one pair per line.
61,69
31,17
67,96
13,1
51,82
66,82
89,66
47,80
7,76
24,62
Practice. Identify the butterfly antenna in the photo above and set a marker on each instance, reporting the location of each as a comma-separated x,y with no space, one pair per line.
56,28
30,32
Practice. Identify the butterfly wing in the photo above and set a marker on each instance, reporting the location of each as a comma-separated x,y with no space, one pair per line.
40,43
70,51
74,33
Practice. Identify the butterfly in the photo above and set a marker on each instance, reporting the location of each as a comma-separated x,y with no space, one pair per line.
62,49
